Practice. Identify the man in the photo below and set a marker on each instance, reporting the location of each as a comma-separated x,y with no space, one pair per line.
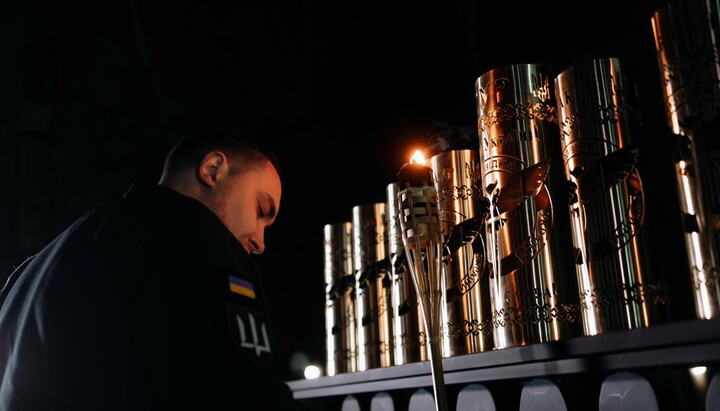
151,301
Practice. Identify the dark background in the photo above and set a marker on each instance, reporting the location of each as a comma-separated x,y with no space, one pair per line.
92,95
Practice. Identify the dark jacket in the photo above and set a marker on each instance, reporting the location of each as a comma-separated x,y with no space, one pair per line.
147,302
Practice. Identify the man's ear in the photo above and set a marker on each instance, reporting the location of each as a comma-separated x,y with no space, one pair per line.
212,166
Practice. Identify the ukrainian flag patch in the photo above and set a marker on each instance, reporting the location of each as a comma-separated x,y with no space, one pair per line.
242,287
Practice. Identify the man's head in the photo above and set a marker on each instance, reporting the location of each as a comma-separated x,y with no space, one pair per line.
234,177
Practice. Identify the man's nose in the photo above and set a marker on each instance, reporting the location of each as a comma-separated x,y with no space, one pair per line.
257,243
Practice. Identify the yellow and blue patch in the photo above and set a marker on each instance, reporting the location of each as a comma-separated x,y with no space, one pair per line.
242,287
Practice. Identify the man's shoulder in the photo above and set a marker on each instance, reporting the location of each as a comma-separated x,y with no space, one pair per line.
164,224
158,205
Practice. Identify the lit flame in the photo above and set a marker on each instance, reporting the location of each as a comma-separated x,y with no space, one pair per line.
418,158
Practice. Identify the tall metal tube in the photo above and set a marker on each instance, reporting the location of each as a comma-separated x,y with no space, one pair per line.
687,36
409,337
339,298
466,315
598,120
373,306
517,127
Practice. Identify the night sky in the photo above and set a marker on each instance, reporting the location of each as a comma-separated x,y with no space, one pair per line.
92,95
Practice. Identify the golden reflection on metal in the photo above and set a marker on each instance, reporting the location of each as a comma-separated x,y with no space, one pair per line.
373,286
340,298
516,122
466,314
409,338
686,41
607,200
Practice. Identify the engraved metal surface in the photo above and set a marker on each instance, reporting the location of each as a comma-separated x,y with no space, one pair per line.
373,286
466,315
340,299
409,337
686,41
516,117
597,120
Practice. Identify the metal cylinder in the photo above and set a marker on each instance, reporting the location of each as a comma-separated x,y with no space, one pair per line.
466,315
686,41
598,121
339,298
409,337
373,286
517,129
